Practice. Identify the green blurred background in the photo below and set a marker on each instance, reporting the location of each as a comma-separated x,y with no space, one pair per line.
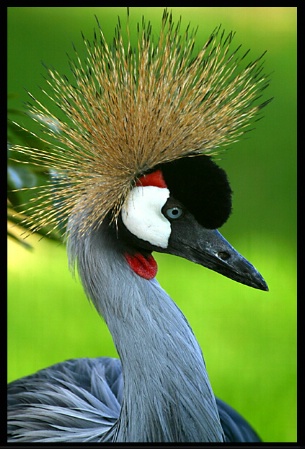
248,337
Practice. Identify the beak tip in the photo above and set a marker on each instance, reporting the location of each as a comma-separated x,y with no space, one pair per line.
264,286
261,286
256,280
253,278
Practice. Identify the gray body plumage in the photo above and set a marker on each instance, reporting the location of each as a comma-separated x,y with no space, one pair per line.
159,391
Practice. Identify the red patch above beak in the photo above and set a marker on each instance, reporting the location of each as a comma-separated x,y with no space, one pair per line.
152,179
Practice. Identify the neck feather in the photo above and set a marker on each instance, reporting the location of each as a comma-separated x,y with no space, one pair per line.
167,394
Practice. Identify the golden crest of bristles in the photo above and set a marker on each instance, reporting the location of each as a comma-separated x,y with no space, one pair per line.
130,108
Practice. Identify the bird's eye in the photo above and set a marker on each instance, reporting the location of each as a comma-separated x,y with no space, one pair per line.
173,213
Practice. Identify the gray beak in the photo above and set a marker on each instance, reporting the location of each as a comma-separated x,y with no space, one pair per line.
210,249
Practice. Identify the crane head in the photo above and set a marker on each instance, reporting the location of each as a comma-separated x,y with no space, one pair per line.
176,209
140,125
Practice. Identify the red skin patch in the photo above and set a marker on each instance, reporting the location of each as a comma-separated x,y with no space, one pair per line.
152,179
144,266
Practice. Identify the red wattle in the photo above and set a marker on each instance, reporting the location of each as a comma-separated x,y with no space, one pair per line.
144,266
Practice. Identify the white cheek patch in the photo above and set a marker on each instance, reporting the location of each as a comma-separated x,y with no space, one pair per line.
142,216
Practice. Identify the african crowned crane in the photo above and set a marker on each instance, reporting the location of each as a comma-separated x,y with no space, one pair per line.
131,168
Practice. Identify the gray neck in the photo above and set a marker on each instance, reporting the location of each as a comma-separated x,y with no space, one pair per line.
167,394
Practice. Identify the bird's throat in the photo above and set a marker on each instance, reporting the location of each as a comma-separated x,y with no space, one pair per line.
143,265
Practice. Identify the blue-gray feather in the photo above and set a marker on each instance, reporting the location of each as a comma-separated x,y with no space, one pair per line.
74,401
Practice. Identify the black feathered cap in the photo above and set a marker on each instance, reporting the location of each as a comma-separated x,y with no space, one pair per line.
201,186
